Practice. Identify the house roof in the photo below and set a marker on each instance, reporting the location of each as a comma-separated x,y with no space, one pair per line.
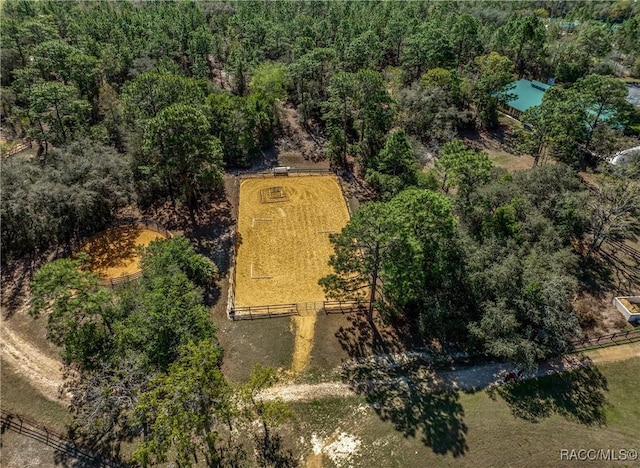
528,93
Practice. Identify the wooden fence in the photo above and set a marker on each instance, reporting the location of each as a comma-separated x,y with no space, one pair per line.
300,309
293,171
344,307
617,338
114,283
262,312
621,246
18,148
60,443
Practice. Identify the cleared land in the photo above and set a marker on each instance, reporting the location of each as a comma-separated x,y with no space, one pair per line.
114,252
526,425
283,238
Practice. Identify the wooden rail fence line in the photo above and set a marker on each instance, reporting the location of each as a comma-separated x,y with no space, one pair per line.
301,309
620,245
24,426
618,338
18,148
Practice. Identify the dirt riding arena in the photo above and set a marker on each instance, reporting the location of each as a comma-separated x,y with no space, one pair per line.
114,252
283,238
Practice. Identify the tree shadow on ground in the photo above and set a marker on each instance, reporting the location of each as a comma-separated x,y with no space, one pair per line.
271,452
625,271
67,459
407,395
360,338
99,450
112,248
16,276
594,276
609,268
577,396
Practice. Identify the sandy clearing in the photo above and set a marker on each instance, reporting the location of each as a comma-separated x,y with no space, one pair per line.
283,238
114,251
339,447
307,392
468,378
304,331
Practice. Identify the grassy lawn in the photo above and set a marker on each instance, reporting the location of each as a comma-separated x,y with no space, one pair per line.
509,162
525,425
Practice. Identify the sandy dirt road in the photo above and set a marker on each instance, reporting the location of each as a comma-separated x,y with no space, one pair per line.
467,378
43,372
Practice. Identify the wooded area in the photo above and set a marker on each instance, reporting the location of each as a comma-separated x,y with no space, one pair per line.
133,105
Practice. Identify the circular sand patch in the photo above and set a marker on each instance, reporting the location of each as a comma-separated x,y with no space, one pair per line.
114,252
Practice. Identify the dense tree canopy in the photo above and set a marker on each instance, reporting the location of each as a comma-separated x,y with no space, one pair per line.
182,153
144,360
76,192
67,66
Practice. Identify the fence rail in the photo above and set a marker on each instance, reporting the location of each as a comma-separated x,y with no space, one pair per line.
35,431
261,312
344,307
617,338
294,171
301,309
620,245
17,149
114,283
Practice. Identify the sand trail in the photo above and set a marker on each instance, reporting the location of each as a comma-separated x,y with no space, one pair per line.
304,330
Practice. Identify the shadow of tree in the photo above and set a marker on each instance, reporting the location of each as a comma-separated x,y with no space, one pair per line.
211,235
232,457
271,452
363,338
98,450
577,395
407,395
67,459
112,248
594,275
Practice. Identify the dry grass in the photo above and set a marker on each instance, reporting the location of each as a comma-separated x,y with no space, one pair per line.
510,162
633,308
283,246
498,431
114,252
